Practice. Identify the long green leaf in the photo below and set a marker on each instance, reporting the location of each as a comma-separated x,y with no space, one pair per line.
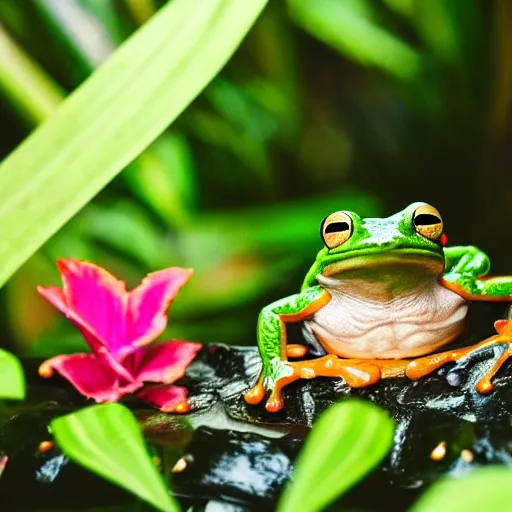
109,120
12,380
107,440
346,442
346,26
27,87
487,488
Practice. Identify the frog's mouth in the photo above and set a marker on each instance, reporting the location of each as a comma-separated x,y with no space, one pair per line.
366,259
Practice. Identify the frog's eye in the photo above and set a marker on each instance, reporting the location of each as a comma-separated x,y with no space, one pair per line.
336,229
428,222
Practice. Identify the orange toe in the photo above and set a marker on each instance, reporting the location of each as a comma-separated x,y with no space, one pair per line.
255,395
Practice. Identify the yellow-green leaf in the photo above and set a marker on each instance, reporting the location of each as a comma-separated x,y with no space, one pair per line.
107,440
487,488
12,380
112,117
347,441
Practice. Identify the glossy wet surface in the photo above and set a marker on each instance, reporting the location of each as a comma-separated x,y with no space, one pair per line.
235,457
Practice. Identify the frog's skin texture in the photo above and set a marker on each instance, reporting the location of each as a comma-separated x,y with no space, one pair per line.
382,290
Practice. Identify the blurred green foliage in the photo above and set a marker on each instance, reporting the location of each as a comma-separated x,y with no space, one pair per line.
333,104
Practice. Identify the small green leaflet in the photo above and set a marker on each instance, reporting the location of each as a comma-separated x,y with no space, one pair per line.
347,441
488,488
12,380
107,440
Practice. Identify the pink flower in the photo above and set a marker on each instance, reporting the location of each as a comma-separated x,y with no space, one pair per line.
119,326
3,462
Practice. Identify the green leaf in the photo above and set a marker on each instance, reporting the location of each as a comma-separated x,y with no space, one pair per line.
24,84
107,440
216,236
487,488
445,26
112,117
12,380
346,442
141,10
348,28
72,23
403,7
108,13
164,177
119,225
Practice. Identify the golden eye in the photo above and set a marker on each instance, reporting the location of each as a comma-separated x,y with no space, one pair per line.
336,229
428,222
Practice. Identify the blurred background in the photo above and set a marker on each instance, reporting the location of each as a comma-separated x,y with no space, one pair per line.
365,105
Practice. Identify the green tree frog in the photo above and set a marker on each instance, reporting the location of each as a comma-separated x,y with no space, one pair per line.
379,292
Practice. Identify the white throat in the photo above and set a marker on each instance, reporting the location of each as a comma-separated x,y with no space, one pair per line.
387,316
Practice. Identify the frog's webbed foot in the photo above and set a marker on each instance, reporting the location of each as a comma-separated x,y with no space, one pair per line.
256,394
428,364
357,373
270,376
272,373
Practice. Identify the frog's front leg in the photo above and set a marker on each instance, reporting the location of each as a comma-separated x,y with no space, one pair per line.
272,342
466,268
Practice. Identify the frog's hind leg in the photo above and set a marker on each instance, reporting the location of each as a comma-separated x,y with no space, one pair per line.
428,364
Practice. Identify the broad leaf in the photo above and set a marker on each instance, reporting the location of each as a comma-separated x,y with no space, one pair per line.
107,440
487,488
12,380
346,442
112,117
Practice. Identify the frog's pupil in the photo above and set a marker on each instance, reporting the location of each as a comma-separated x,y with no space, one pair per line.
426,219
336,227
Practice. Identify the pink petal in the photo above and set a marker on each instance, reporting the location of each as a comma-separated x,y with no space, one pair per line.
130,387
164,362
89,375
55,296
4,459
166,398
106,313
149,302
95,300
108,359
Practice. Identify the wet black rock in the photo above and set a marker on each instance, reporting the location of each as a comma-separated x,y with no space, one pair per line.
237,456
32,480
247,467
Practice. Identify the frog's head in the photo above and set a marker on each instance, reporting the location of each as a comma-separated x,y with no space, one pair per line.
412,238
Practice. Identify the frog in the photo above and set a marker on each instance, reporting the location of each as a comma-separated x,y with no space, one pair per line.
382,298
